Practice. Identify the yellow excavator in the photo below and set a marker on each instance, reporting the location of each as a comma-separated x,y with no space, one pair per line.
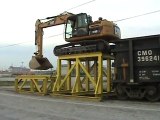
82,34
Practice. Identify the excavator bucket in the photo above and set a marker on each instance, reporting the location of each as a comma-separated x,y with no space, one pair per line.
38,63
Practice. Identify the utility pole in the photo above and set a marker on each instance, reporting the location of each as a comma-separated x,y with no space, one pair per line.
22,63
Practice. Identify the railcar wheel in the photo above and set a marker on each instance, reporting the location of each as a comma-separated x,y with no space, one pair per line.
152,93
121,94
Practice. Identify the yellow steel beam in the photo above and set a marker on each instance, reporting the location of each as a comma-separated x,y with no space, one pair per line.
16,85
36,85
95,70
90,69
44,89
58,80
31,86
84,55
32,76
86,78
50,84
67,75
108,75
76,87
86,72
99,86
20,88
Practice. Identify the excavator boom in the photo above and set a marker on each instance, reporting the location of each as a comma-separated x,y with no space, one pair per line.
39,62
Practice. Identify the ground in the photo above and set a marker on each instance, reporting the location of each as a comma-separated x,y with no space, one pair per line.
14,106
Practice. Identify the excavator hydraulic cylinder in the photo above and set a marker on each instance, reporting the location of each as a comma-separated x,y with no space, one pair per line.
40,63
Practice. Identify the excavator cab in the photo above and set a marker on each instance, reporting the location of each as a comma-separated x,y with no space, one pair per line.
77,26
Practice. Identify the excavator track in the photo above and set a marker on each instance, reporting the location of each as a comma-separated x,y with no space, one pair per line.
82,47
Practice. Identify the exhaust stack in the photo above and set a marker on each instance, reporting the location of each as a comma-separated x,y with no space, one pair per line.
40,63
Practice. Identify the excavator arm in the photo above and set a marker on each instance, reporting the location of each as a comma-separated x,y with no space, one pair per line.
39,62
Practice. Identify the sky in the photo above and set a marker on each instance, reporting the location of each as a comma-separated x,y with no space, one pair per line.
18,23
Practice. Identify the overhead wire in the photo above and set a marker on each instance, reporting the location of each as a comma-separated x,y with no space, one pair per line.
137,16
52,35
14,44
11,45
82,5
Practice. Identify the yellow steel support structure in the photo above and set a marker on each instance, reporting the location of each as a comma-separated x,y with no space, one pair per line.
41,84
88,79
